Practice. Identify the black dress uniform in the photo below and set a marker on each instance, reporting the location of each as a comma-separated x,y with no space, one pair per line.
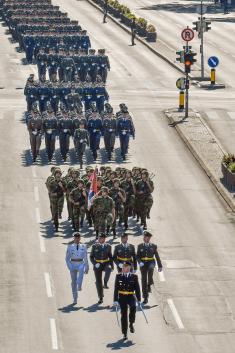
147,255
101,254
126,291
123,253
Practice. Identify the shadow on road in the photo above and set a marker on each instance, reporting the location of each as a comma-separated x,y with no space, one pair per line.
95,307
120,344
69,308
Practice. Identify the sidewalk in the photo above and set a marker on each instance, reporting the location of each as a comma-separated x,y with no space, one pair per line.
204,146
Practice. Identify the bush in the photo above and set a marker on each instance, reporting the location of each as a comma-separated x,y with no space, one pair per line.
131,16
151,29
228,159
142,22
231,167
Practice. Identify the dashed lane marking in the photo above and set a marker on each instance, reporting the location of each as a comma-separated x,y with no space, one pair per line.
42,243
212,115
231,115
36,193
38,218
54,339
175,314
48,284
34,171
161,276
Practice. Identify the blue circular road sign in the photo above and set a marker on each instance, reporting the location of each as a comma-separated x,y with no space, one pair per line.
213,61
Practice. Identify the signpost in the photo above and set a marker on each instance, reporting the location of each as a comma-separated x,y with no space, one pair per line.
187,34
213,62
180,84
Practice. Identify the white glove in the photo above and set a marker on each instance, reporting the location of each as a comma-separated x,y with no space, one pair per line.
141,264
97,265
120,265
115,303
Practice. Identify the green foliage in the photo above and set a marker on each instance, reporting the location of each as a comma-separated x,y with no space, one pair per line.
228,159
231,167
142,22
151,28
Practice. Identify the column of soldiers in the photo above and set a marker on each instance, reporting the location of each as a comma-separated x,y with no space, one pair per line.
126,259
85,129
121,194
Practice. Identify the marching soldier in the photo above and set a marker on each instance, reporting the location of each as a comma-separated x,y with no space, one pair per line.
78,199
35,132
125,129
125,252
71,184
65,131
50,130
126,291
81,140
66,180
56,194
77,263
95,129
144,199
110,130
128,186
101,258
103,211
119,197
147,255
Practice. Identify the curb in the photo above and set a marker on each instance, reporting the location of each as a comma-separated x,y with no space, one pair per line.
220,189
161,56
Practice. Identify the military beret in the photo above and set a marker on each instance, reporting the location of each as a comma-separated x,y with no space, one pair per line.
57,171
80,181
147,234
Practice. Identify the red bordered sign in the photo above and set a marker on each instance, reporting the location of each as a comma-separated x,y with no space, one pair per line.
187,34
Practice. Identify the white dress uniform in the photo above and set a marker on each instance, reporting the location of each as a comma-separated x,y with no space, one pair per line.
77,263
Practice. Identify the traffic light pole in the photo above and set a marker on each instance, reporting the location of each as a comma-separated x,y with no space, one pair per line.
202,43
186,87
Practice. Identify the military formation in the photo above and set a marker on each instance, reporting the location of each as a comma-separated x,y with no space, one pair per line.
69,101
126,259
118,195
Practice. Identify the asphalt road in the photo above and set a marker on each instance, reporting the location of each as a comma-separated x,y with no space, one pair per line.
192,307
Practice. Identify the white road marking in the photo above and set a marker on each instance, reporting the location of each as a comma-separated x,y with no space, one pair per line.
42,243
38,218
175,314
212,115
34,171
1,115
231,115
54,340
48,284
161,276
36,193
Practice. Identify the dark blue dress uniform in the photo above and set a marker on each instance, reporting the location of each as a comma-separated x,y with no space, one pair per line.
44,96
95,129
101,96
41,60
123,253
50,128
102,260
65,131
88,97
125,129
126,290
147,255
52,63
31,93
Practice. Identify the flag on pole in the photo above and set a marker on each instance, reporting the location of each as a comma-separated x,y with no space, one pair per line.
93,188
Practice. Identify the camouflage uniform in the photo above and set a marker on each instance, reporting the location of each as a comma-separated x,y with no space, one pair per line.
78,198
66,179
128,186
57,199
144,200
119,204
72,184
102,212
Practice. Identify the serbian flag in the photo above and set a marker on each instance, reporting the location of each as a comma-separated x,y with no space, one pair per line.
93,188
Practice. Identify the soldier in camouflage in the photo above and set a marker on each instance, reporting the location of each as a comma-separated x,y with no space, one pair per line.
78,199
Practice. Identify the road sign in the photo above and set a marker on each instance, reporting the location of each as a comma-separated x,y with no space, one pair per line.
187,34
213,61
180,83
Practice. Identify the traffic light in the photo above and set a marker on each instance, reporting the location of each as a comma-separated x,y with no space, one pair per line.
196,26
181,56
189,61
208,23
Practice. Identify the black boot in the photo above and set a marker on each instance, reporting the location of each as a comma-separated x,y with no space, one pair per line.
114,233
132,329
126,225
97,234
108,229
81,223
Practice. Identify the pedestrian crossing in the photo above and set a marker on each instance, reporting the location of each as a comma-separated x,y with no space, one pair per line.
221,115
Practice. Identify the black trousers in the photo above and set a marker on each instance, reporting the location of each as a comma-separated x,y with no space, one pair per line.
126,301
98,277
147,277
